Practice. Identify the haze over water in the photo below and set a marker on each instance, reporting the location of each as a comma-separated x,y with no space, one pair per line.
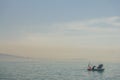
64,29
59,30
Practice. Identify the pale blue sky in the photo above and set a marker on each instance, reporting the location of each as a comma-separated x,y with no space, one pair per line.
17,15
91,23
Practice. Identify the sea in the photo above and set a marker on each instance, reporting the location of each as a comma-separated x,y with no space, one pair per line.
56,70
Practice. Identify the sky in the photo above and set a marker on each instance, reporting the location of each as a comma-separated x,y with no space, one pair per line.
61,29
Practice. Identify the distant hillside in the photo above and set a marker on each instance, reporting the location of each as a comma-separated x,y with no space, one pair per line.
3,55
8,57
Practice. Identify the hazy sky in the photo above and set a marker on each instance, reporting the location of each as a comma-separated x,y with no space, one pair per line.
61,29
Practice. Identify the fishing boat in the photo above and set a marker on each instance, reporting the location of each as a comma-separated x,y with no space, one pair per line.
99,68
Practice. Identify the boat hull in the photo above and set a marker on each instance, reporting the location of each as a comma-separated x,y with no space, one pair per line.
95,70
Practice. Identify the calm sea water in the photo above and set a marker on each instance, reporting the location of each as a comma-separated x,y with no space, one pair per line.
56,71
